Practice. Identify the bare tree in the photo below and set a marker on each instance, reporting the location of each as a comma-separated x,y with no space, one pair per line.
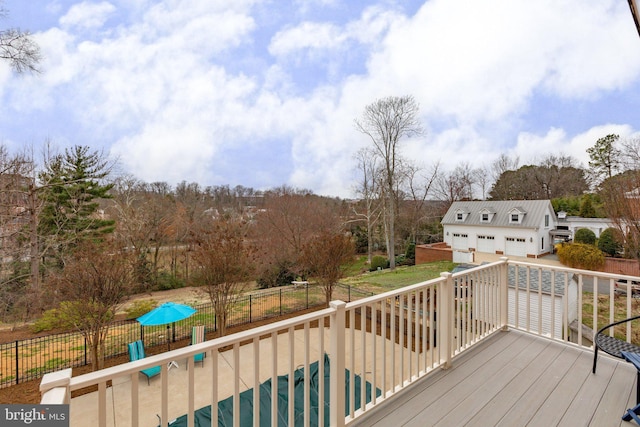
482,180
225,263
419,184
630,153
289,220
18,48
503,164
635,13
386,122
325,257
455,185
95,281
621,200
369,193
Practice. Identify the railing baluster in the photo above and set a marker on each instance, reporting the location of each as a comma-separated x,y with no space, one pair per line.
383,333
292,367
363,361
214,382
337,362
135,398
191,390
274,378
256,381
321,371
164,410
307,375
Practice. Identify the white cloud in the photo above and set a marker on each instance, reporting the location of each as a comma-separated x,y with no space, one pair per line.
172,93
310,36
87,14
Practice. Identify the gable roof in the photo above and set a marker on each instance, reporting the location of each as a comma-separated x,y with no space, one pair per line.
534,211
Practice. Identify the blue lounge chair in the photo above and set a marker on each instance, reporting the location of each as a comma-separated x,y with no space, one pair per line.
136,352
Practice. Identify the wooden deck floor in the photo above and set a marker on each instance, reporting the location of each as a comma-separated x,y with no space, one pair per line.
515,379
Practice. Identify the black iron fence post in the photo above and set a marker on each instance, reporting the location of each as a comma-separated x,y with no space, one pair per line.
17,364
250,305
280,301
85,351
142,333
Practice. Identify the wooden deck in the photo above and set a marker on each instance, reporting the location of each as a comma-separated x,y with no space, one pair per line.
515,379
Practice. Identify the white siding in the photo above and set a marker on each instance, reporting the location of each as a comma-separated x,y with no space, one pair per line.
534,303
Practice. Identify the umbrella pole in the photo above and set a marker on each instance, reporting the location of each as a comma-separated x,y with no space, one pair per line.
168,338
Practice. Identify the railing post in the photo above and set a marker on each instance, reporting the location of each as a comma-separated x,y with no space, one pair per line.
17,364
445,319
54,387
337,364
504,293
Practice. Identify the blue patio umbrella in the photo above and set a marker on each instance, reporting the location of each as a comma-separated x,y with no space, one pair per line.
169,312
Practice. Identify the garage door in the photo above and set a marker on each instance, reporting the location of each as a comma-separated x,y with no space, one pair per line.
486,244
516,246
460,241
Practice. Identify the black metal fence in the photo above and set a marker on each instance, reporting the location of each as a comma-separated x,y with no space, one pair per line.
29,359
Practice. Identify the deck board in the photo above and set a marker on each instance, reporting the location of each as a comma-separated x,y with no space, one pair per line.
515,378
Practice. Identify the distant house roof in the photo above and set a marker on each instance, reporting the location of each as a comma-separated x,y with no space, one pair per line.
559,280
533,212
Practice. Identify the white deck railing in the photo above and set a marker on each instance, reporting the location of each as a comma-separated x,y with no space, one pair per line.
389,341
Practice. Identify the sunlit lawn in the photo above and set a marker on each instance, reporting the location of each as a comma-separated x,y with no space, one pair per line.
386,280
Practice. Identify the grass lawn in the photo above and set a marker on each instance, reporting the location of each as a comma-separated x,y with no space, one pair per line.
386,280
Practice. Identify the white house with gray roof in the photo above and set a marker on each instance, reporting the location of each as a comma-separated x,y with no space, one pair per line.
524,228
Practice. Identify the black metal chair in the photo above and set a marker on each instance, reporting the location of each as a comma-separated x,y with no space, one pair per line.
622,350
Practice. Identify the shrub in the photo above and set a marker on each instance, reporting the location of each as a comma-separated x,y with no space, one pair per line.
610,242
379,262
50,320
586,236
279,275
140,307
166,281
580,255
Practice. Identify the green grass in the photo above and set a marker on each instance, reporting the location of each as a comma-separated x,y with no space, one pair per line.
357,267
386,280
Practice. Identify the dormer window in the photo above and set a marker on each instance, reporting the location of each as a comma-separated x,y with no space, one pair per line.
461,215
516,215
486,215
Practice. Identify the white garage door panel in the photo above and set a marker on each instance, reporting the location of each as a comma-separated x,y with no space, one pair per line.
460,241
486,244
516,246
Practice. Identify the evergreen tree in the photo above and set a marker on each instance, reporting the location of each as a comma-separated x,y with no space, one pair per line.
586,207
72,185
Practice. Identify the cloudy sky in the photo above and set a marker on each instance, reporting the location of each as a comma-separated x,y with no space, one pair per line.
264,92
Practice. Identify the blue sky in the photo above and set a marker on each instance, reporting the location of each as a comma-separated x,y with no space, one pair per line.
264,93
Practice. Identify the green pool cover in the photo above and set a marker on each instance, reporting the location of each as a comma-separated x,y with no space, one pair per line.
225,407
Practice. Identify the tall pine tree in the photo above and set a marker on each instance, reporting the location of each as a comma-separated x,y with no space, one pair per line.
72,184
